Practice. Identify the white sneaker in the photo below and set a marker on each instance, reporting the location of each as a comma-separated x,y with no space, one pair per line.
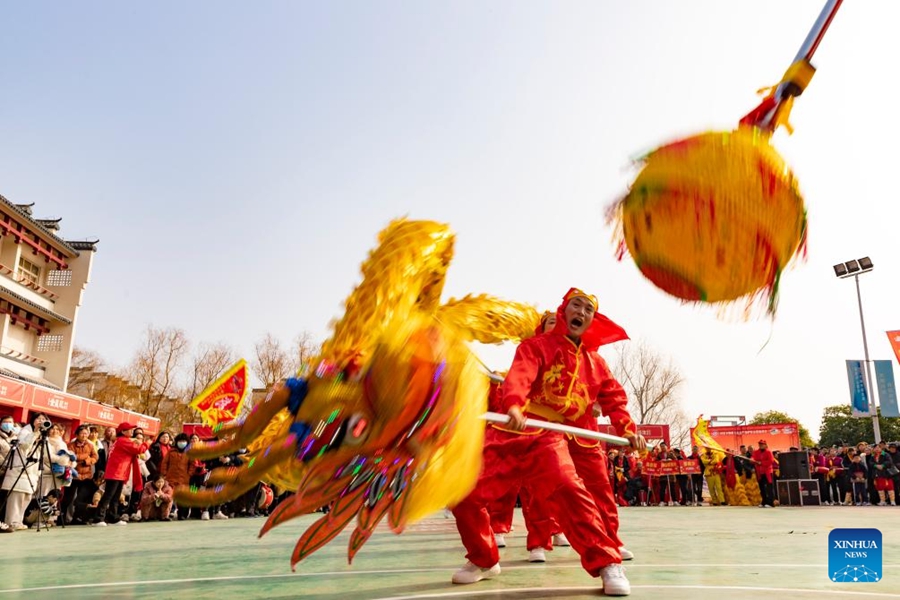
501,541
473,573
136,517
100,524
662,503
123,518
537,555
204,516
614,581
121,523
220,516
561,540
671,503
20,527
626,553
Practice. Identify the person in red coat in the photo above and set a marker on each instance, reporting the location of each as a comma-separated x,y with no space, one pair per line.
121,465
554,377
764,461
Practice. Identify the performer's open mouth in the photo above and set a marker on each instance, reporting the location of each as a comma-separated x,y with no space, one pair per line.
576,322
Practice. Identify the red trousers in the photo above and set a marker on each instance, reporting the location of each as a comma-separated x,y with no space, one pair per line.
590,464
538,518
542,463
503,509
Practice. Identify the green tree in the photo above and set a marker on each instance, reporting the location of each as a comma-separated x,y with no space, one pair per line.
839,424
774,416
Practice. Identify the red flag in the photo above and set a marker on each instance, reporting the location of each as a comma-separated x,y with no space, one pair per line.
730,473
894,338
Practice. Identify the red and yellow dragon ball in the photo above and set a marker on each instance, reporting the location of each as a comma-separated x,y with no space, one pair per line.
714,218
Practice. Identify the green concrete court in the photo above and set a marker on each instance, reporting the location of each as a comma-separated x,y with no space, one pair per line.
681,553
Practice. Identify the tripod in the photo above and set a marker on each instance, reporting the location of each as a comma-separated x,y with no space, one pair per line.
38,452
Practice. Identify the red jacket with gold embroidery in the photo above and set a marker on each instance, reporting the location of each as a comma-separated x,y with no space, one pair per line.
555,379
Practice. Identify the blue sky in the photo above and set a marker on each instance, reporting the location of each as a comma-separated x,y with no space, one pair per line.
237,161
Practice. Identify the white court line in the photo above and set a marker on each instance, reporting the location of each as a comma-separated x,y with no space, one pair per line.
513,567
595,588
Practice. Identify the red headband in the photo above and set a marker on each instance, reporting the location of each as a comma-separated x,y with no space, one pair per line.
576,293
602,329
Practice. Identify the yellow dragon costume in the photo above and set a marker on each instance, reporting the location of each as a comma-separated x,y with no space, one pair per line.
386,423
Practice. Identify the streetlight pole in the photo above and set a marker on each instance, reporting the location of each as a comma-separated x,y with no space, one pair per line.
862,324
843,271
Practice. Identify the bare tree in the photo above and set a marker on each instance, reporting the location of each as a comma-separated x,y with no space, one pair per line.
653,386
156,367
207,364
272,363
305,351
209,361
83,367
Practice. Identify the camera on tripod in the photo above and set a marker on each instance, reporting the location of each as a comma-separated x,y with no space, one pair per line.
45,425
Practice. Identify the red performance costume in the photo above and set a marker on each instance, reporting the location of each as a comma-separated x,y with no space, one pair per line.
538,522
591,465
554,377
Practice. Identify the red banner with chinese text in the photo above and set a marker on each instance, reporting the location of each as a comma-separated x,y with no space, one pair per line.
778,436
13,392
56,403
653,433
686,466
101,414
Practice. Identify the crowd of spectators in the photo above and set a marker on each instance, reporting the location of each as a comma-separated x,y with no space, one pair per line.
114,475
104,476
861,475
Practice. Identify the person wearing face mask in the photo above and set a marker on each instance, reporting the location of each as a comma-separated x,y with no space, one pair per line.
8,433
554,377
175,470
20,481
7,441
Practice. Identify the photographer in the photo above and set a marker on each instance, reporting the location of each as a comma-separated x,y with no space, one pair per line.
56,461
20,480
45,510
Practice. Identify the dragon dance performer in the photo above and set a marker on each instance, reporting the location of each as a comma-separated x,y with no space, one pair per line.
590,464
538,521
554,377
